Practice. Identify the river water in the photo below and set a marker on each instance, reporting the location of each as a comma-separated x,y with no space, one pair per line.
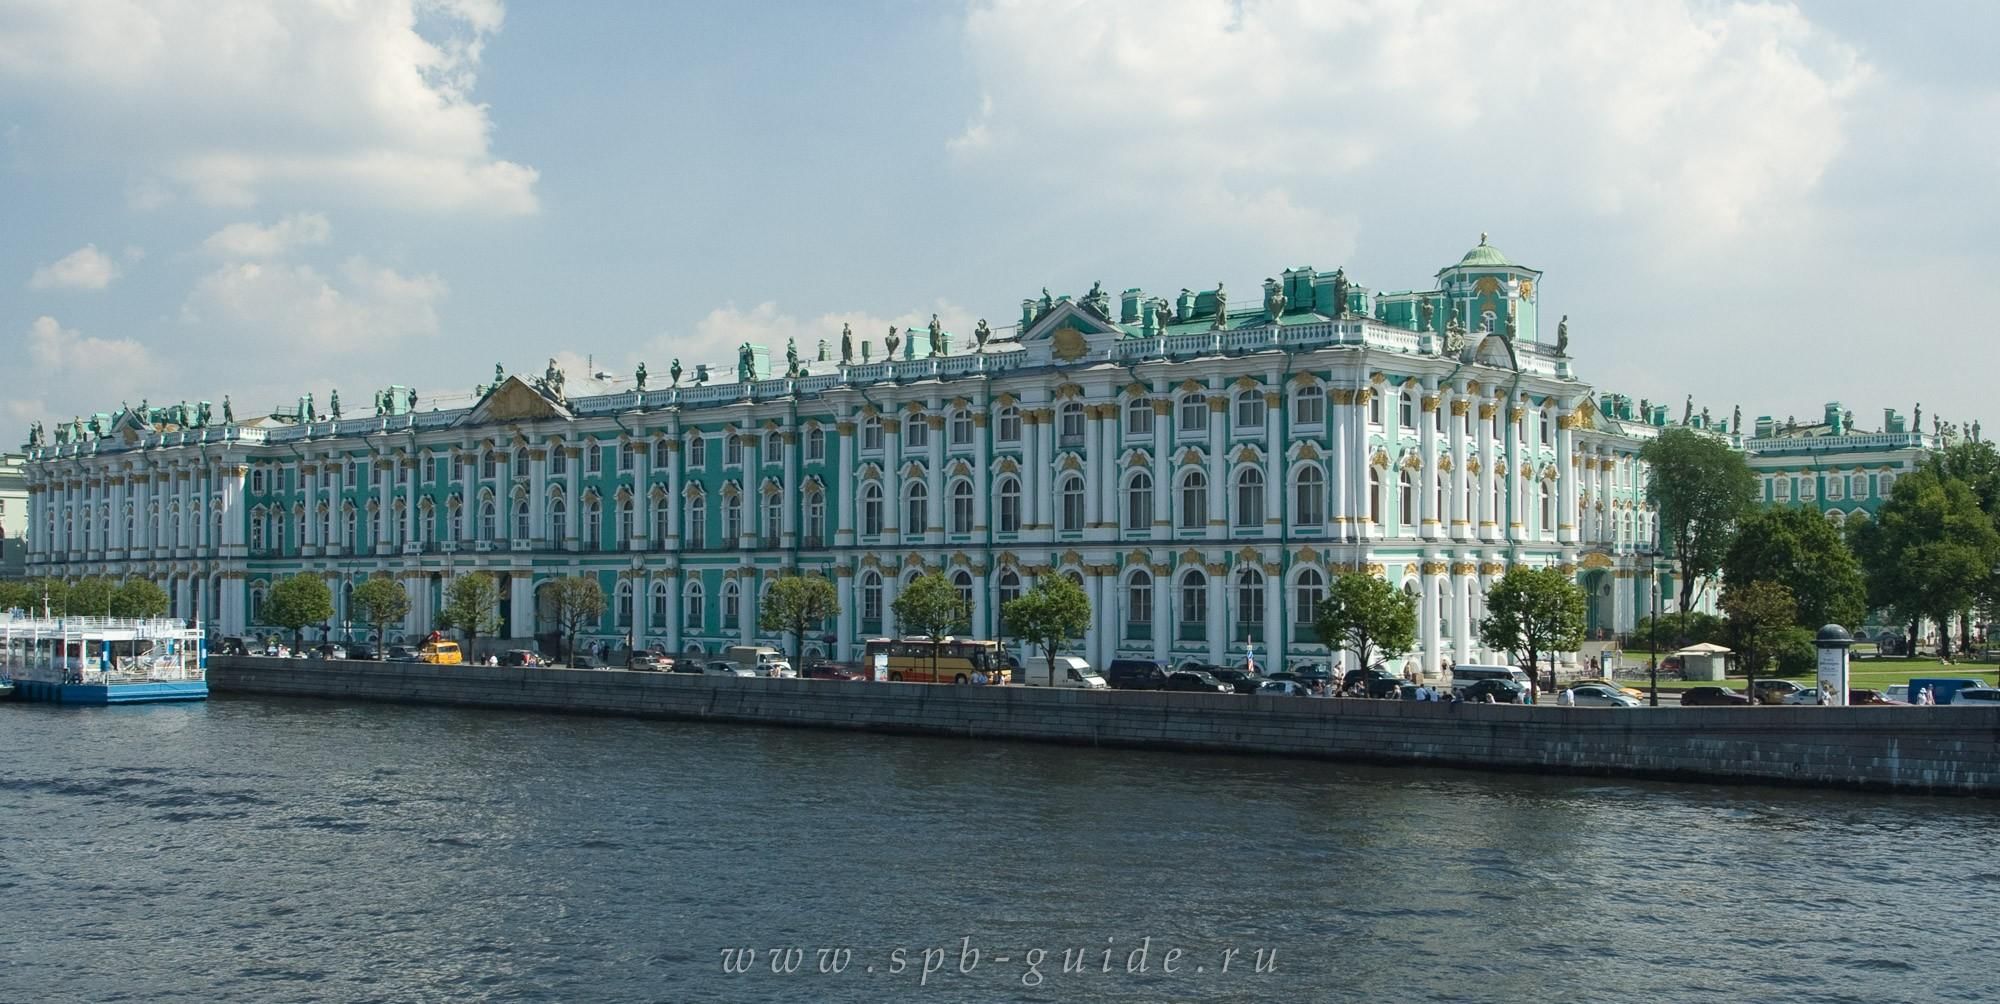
265,850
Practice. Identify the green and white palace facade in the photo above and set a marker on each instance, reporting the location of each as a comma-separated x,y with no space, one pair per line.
1203,466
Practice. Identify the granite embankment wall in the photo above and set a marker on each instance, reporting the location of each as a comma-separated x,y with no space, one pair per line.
1942,750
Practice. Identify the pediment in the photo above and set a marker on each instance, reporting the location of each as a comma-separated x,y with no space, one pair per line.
513,401
1071,331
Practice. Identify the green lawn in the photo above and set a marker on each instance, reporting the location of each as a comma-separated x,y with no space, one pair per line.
1872,674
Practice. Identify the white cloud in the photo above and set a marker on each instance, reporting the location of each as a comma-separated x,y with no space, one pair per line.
227,100
249,240
84,268
272,310
77,368
717,335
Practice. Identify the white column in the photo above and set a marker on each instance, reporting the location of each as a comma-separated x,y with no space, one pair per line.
1488,460
1032,462
844,624
1218,617
892,478
1358,463
1042,476
844,505
1274,621
789,521
1094,641
1163,474
642,508
1276,470
521,606
538,495
1462,585
642,609
411,497
1429,517
1430,581
1096,471
1517,452
753,499
981,487
1218,466
572,499
1340,414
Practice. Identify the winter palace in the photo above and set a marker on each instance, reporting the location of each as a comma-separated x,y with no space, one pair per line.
1202,464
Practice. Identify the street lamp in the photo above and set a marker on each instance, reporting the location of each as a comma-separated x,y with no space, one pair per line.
1654,624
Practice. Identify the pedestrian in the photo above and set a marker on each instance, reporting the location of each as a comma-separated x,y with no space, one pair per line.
1566,699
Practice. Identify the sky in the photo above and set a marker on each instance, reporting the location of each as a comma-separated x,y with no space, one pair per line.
1769,205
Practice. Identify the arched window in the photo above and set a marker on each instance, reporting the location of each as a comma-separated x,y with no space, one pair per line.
656,615
1406,498
1009,586
1070,423
732,518
662,457
487,531
1308,589
774,514
1437,498
1249,498
1548,508
961,427
871,600
457,523
1069,493
521,530
1010,505
697,447
697,521
624,604
774,446
916,508
1139,417
1374,407
558,520
1250,410
1309,405
1139,603
257,603
1194,499
871,432
593,523
962,581
1309,496
1193,414
663,520
692,612
1139,501
916,431
1249,597
871,508
732,605
1406,409
816,444
815,517
961,506
625,522
1194,603
1007,424
628,456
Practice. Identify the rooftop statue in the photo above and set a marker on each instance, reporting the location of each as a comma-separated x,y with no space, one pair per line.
381,403
674,371
1704,416
1275,301
1736,420
333,403
62,434
201,415
1687,412
1917,418
746,363
940,342
1340,292
34,434
846,344
499,374
1221,305
1425,311
823,352
309,413
228,413
553,375
1562,336
639,376
981,333
791,357
892,341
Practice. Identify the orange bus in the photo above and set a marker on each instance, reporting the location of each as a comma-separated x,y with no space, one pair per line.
956,659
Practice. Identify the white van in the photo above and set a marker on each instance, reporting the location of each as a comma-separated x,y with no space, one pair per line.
762,660
1463,676
1067,671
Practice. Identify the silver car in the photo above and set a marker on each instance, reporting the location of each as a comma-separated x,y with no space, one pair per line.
1596,695
1985,696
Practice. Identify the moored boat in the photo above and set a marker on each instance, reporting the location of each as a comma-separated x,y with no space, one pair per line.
102,660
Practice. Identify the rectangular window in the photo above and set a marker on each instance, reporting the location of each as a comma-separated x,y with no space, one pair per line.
961,428
917,432
1784,489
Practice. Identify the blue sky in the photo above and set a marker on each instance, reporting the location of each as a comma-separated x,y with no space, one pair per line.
1760,204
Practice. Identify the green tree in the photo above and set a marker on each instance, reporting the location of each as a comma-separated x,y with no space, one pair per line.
1699,488
1366,616
1977,463
19,594
1760,613
137,597
796,604
46,595
298,601
471,606
1929,552
90,597
1682,629
380,602
1049,616
931,606
578,600
1798,549
1533,613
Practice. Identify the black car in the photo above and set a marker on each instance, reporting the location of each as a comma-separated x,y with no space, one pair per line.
1245,682
1373,682
402,653
1192,681
684,665
1502,691
1136,674
362,652
582,661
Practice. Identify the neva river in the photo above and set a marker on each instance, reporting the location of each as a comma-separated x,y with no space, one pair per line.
269,851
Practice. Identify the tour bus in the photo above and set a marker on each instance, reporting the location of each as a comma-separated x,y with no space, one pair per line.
957,660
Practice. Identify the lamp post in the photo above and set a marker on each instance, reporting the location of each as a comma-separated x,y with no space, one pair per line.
1653,623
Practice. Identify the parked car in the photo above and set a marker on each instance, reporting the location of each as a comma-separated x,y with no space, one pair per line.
1136,674
1711,697
1372,682
1245,682
520,657
443,653
1983,696
1898,693
1503,691
1597,695
825,670
1808,695
584,660
1311,676
361,652
1866,696
1944,688
1283,688
1774,691
402,653
765,660
1613,684
647,661
327,651
727,669
1195,681
687,665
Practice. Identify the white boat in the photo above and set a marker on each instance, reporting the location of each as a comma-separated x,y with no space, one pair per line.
102,660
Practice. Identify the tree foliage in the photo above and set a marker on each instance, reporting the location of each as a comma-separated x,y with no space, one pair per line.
91,597
1699,488
796,604
1050,615
1681,629
471,606
1798,549
1930,551
297,601
137,597
1534,613
1761,613
931,606
578,600
1368,617
380,602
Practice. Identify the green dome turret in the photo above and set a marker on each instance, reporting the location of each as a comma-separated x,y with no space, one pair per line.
1484,254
